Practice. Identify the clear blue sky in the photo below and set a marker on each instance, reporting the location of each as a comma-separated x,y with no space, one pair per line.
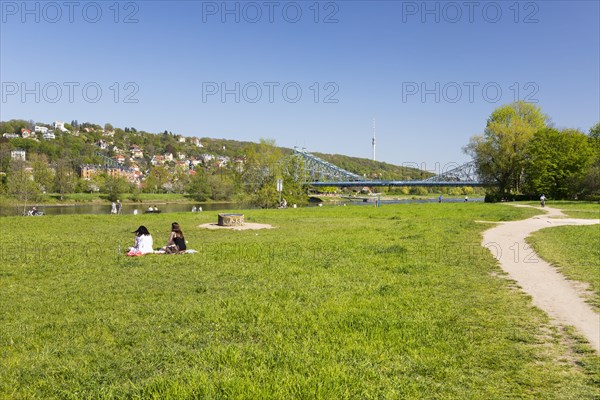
373,57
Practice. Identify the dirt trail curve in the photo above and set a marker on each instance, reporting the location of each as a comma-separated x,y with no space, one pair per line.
550,291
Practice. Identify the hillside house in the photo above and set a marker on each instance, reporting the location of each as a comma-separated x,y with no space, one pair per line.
88,171
194,161
206,158
18,154
26,133
222,161
136,151
102,144
60,126
182,165
157,160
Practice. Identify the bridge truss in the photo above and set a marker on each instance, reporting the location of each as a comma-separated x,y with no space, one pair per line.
321,173
319,170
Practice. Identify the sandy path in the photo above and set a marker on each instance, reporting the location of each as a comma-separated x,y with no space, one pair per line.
550,291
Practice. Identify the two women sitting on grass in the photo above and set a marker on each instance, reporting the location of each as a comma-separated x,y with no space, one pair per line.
144,243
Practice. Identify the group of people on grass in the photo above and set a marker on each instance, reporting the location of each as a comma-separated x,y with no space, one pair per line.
144,243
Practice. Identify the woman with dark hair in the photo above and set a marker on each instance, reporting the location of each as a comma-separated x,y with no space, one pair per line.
143,242
176,242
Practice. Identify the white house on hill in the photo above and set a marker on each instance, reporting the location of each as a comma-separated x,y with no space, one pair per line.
60,126
18,154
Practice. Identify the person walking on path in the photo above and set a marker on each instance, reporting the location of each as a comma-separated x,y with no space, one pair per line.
543,200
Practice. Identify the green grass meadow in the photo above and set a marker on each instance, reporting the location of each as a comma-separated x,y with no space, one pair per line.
577,209
397,302
573,209
575,251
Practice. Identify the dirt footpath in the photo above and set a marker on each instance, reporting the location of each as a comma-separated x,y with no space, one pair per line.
550,291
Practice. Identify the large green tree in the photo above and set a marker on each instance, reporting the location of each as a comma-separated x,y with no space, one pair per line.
5,158
262,169
65,177
294,176
556,162
199,187
115,186
499,153
20,184
591,181
43,175
156,179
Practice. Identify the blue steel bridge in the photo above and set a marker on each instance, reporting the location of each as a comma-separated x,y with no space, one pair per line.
323,173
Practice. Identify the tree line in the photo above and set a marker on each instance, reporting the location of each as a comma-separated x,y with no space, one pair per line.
253,183
521,152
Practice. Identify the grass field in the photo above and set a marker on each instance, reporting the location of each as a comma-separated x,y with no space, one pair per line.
397,302
578,209
573,209
575,250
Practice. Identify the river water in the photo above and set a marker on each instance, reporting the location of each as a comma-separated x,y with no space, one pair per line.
178,207
127,208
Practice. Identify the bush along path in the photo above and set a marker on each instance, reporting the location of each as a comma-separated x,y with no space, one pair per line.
549,289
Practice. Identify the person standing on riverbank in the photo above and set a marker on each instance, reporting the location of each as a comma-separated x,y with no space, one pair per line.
119,207
113,208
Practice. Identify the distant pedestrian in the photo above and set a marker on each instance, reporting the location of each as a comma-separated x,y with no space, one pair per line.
441,198
542,200
119,207
113,208
466,198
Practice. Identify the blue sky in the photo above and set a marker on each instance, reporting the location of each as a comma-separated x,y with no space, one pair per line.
429,72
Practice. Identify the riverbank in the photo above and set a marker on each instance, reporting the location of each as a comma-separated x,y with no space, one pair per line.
391,198
87,198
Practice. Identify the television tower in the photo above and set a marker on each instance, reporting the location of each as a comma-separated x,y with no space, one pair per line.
373,141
